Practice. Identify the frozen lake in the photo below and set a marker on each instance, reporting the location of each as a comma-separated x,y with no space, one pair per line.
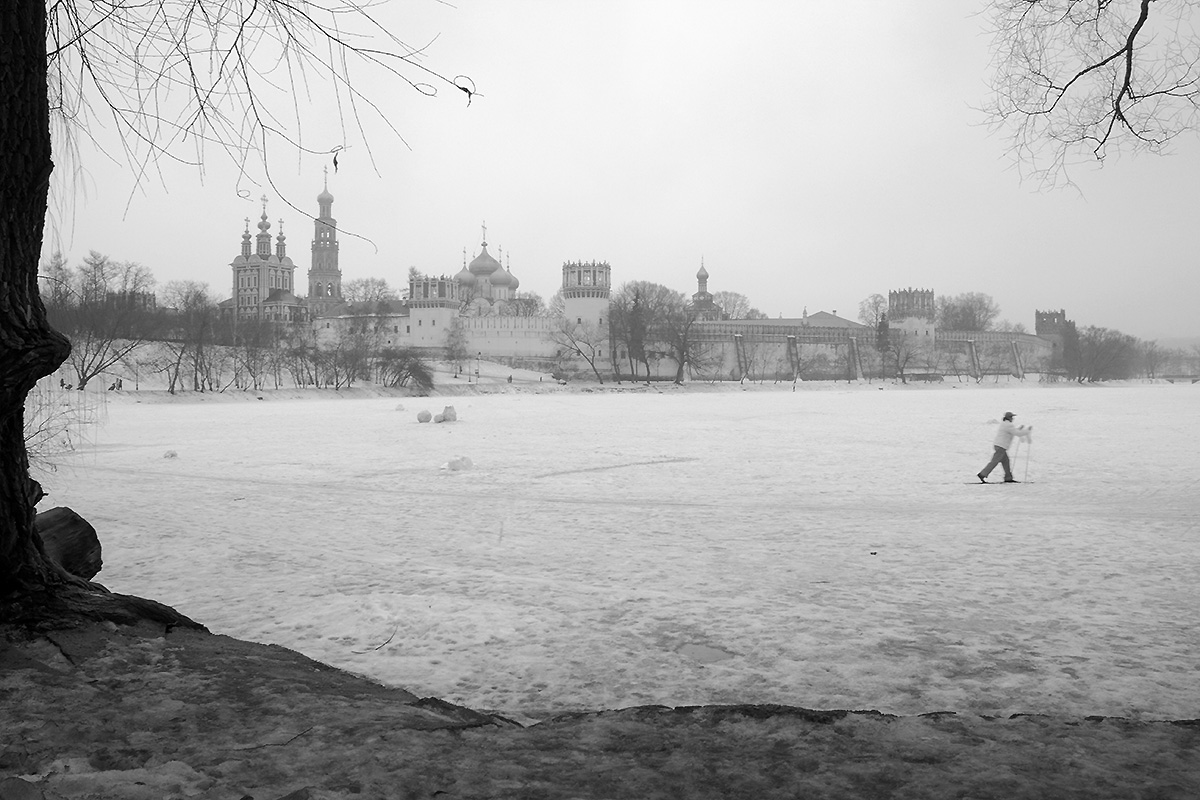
821,548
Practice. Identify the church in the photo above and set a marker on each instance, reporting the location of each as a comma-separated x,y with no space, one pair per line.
264,284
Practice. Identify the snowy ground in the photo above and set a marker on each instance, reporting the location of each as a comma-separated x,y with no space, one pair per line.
825,544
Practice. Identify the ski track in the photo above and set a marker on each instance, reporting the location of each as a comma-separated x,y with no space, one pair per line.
824,539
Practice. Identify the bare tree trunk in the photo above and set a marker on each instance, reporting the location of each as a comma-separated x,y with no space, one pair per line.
29,348
34,590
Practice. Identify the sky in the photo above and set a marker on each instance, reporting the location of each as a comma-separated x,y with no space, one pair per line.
807,154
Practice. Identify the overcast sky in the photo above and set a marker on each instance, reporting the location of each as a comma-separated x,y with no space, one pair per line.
810,153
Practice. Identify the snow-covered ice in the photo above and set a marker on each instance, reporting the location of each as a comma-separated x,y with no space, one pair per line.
821,548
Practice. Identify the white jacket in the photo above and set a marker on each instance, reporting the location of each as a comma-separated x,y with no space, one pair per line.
1007,431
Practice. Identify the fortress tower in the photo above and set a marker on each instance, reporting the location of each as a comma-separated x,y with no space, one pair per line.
324,275
585,290
1060,332
912,312
433,305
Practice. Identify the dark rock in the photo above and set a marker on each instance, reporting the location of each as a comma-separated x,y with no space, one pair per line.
70,541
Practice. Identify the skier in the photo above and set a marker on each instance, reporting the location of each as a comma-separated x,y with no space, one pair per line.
1004,437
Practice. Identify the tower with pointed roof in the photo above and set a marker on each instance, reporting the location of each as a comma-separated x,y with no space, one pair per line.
706,307
324,274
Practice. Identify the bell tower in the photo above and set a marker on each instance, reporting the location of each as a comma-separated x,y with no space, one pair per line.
324,275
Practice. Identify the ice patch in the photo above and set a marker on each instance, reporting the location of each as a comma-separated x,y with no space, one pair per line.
704,654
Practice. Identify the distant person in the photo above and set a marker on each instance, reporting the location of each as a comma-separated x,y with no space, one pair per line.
1004,437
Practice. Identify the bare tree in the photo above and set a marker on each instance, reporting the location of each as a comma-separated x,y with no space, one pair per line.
107,312
55,280
57,420
300,354
1076,79
255,342
1106,354
351,353
29,347
584,340
368,290
190,320
457,343
1010,327
736,306
526,304
1153,359
904,353
971,311
995,359
401,366
676,328
637,315
179,80
627,321
957,362
872,310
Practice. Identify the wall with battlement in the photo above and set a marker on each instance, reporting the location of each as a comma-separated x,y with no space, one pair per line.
518,337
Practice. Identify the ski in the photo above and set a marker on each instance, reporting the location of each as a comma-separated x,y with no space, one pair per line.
995,483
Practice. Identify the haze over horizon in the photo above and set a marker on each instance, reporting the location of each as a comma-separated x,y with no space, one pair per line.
810,155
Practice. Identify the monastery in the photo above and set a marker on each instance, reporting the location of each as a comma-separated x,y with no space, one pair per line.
473,307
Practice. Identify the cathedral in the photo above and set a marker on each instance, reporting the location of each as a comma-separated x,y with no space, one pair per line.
485,284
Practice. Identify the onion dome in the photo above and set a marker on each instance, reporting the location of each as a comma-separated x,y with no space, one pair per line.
702,274
513,283
464,277
325,197
484,264
263,224
500,278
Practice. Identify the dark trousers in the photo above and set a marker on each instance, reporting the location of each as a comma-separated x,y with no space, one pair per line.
999,457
